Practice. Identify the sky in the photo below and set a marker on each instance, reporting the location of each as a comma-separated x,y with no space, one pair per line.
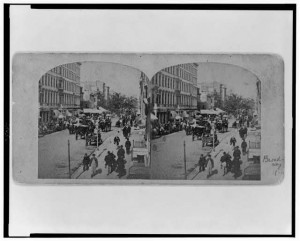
239,80
119,78
125,79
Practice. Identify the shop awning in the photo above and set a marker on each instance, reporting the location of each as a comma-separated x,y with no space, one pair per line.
102,110
56,113
92,111
208,112
184,114
68,113
219,111
153,117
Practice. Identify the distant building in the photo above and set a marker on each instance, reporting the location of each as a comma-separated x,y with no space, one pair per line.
208,91
175,91
59,92
95,92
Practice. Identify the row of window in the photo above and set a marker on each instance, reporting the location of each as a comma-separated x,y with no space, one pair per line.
169,82
53,98
185,71
65,72
73,67
54,81
170,98
190,68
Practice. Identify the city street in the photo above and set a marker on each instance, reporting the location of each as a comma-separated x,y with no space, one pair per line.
53,153
108,145
167,154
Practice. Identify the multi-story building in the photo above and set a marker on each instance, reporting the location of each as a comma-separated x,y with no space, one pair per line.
208,95
175,91
95,94
60,92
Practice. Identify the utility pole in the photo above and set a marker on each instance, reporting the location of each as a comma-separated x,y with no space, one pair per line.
184,158
69,159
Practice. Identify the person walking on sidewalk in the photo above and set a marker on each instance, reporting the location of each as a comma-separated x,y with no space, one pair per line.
86,162
113,162
127,146
223,160
232,141
117,140
201,163
121,152
244,147
237,153
94,165
108,161
209,165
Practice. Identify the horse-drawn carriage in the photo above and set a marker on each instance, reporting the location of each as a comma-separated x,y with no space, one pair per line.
209,140
91,139
82,130
198,132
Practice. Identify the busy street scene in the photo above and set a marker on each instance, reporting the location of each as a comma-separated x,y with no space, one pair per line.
205,123
92,123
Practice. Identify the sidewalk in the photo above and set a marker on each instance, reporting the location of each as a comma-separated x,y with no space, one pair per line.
101,152
217,154
224,141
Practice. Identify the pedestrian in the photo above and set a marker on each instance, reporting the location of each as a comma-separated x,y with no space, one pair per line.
232,141
127,146
202,163
244,147
86,162
121,166
241,131
245,132
108,160
237,153
93,165
223,160
236,166
228,164
209,165
128,130
121,152
113,162
117,140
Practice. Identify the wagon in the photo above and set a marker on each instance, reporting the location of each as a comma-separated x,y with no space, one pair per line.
82,130
208,140
198,132
92,140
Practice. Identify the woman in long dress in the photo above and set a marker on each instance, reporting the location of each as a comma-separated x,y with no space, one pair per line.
94,165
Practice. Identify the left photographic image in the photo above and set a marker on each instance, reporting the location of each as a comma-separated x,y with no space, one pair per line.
92,122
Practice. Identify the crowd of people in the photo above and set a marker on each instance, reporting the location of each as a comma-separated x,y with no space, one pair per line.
228,163
115,162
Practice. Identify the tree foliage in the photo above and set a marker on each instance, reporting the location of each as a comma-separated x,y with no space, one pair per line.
119,103
234,103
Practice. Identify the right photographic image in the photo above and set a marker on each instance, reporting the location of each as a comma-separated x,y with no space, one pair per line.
205,123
